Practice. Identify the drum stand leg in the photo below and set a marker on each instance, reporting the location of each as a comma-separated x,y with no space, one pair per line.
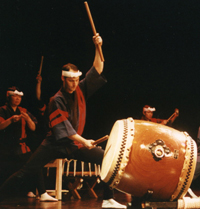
144,203
192,202
73,188
153,205
136,202
91,191
158,205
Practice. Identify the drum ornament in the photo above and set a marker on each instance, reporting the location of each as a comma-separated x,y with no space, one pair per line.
142,156
159,149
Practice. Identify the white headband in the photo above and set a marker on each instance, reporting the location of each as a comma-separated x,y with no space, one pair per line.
71,74
20,93
152,109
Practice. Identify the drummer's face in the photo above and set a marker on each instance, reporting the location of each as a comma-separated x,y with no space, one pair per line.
148,115
15,100
70,84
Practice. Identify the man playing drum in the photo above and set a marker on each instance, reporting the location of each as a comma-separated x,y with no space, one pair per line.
67,111
148,116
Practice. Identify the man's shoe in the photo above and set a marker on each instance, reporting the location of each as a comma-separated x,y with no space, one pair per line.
111,203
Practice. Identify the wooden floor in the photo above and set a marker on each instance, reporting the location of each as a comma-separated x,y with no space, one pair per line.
23,202
85,202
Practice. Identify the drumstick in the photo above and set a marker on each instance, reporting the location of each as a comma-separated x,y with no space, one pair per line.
170,117
93,29
41,63
102,139
176,112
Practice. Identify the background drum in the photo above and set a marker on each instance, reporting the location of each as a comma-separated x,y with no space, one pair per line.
142,156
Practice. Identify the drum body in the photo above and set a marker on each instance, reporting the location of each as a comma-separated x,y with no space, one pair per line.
142,157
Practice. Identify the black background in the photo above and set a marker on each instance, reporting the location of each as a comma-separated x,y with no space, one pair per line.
151,50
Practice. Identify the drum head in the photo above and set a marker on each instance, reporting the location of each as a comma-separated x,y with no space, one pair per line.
117,150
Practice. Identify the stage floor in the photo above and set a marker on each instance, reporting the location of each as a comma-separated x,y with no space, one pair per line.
85,202
66,203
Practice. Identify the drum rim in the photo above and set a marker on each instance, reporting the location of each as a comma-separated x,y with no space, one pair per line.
188,170
124,152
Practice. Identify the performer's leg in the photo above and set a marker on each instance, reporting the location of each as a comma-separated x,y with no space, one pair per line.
136,202
95,155
34,165
30,184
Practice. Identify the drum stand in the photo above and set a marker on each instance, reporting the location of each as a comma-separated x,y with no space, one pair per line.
75,177
185,203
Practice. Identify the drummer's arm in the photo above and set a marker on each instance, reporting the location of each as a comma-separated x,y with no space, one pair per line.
98,64
164,122
175,115
86,143
5,123
38,86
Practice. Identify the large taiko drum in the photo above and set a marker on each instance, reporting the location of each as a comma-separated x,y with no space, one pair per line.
143,157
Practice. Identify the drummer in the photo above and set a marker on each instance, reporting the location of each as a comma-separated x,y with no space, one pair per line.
148,116
67,119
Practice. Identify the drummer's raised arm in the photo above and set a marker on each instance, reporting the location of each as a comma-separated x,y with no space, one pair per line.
98,63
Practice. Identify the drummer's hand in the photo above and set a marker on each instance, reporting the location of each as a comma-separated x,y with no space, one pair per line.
25,116
97,39
15,118
89,144
164,122
176,112
39,78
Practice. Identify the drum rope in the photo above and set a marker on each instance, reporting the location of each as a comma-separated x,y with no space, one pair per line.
188,203
192,193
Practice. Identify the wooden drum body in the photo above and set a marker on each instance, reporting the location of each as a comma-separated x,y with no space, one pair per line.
142,156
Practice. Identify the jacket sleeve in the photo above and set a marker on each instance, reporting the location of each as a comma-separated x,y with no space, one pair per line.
92,82
58,119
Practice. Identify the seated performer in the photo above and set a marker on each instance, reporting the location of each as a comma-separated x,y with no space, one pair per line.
14,151
67,111
148,115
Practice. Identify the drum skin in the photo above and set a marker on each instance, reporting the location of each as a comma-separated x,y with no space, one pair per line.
161,160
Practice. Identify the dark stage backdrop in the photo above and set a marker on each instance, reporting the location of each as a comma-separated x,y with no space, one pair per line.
151,50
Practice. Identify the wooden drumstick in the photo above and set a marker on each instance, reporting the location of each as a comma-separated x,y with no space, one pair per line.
93,29
41,63
102,139
175,113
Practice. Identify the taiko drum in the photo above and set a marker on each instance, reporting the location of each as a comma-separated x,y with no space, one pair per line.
143,157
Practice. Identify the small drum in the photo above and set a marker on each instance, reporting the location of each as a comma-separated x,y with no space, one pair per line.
143,157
